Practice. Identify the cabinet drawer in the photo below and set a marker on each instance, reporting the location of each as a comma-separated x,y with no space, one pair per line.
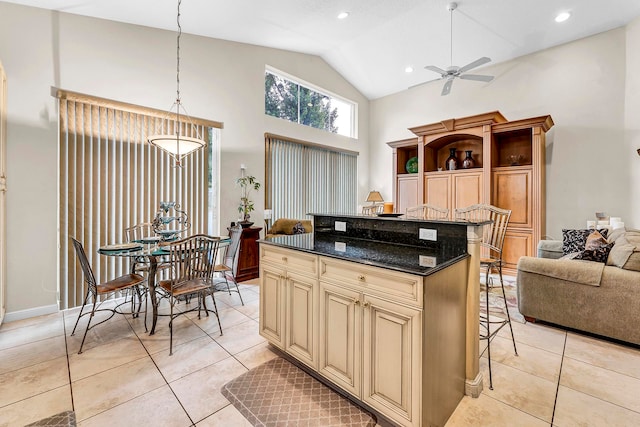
296,261
397,286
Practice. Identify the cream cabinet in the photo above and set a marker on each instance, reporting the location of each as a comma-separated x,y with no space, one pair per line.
367,330
370,336
340,337
288,302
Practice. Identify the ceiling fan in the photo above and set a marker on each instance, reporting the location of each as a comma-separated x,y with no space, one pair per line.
453,71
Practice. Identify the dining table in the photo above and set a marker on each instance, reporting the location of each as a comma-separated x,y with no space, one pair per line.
147,250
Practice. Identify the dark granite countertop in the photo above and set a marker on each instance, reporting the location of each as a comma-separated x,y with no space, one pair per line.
394,256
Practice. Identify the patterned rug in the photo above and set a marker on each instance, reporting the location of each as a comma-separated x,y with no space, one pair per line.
496,302
63,419
279,394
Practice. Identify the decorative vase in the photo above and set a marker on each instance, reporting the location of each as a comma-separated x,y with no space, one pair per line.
468,162
452,162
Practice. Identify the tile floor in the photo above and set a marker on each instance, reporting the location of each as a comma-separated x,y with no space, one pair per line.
126,377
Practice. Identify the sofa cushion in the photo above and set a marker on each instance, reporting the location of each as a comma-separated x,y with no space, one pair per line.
575,240
577,271
626,253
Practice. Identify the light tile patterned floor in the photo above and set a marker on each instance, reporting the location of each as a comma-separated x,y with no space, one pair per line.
126,377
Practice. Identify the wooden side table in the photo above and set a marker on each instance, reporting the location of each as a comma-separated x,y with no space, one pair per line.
248,257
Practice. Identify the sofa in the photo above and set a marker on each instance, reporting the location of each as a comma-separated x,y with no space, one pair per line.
284,226
595,297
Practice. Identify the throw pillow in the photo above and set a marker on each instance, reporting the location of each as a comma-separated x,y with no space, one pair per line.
575,240
625,254
298,228
599,254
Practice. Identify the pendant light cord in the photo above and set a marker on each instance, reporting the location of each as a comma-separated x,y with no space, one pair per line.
450,36
178,73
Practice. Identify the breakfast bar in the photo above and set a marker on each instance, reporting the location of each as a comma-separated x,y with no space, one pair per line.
382,309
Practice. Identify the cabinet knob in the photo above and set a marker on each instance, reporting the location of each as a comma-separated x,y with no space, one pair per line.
284,259
361,277
366,304
357,302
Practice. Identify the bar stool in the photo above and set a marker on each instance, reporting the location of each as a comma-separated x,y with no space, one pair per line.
490,258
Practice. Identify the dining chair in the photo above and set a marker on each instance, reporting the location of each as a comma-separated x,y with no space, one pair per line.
192,261
427,211
373,210
137,233
128,282
229,265
490,258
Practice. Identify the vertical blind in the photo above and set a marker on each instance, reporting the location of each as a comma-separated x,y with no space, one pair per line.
111,179
302,178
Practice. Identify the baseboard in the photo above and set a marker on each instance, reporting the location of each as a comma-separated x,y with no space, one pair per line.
30,312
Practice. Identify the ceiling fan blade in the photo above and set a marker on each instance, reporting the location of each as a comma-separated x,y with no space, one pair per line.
474,64
447,87
476,77
436,69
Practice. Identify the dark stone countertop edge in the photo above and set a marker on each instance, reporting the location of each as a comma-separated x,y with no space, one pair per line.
421,271
438,221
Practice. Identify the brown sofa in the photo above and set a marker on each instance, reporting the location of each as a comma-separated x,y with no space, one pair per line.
286,225
584,295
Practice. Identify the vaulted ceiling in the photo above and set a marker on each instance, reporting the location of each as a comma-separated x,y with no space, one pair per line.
379,39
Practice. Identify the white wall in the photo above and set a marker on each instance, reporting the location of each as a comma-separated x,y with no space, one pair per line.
580,84
220,80
632,115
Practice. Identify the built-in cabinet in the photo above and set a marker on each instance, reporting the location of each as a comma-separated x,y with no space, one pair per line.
508,172
3,192
362,327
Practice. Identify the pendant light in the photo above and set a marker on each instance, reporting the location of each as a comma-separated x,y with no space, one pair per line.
177,144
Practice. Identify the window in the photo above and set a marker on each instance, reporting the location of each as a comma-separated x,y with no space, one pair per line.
304,178
111,178
291,99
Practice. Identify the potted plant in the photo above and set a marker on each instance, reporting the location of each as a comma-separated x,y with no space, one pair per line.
247,184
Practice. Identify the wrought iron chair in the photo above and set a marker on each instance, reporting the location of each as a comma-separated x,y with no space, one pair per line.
139,232
373,210
490,258
427,211
192,262
127,282
229,264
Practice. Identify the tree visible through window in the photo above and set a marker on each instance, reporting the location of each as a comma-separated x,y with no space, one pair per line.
292,101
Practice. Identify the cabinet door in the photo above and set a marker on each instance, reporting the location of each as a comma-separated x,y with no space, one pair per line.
392,359
407,193
302,319
512,190
437,191
272,304
340,336
466,189
516,244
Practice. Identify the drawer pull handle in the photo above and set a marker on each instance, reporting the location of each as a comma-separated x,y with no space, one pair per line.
361,277
366,304
357,302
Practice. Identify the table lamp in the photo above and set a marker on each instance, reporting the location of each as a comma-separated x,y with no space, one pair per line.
374,196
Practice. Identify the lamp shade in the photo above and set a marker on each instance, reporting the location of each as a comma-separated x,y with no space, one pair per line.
374,196
177,146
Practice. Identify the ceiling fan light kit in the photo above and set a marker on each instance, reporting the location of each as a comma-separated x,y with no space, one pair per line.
452,72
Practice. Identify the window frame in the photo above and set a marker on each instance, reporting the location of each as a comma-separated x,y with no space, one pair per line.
353,120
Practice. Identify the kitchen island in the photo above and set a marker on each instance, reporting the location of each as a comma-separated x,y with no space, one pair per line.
377,308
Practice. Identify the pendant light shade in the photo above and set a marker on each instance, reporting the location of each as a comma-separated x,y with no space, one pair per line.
185,139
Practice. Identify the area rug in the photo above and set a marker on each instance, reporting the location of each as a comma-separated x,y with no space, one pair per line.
278,393
496,302
63,419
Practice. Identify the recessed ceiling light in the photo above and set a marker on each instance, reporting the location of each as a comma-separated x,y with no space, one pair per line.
563,16
408,70
343,15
